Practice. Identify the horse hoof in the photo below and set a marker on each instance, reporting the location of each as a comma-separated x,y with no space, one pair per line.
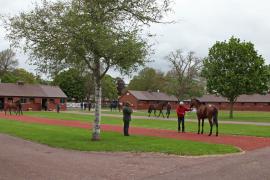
216,134
209,134
201,132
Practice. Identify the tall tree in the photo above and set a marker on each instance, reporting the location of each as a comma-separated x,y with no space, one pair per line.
96,34
8,61
120,85
184,79
19,74
148,79
233,68
109,90
72,83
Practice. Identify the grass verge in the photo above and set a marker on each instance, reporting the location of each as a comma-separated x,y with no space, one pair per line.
79,139
229,129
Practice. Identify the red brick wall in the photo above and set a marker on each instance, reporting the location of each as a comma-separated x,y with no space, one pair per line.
140,104
36,105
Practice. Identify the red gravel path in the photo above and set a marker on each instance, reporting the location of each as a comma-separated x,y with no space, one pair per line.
246,143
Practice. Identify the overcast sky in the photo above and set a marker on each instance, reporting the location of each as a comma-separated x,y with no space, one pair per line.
200,23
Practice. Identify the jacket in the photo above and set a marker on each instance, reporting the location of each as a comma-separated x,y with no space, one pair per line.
181,111
127,111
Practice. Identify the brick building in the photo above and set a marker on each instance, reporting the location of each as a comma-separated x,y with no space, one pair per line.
255,102
142,99
32,96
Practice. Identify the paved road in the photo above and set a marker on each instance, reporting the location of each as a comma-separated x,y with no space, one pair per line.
20,160
174,119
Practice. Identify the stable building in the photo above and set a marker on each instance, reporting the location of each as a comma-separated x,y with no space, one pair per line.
32,96
142,99
255,102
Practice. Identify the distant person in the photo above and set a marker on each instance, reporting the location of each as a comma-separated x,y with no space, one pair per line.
1,106
46,106
181,111
168,112
81,105
120,104
58,107
84,105
89,106
127,111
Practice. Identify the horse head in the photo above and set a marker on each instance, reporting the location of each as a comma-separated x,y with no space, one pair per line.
194,103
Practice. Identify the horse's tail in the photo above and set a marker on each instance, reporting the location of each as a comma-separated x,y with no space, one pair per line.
215,116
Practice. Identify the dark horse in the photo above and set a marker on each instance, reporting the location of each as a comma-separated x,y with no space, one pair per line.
16,107
156,107
205,111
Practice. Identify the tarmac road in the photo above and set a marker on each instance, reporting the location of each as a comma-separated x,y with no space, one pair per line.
20,159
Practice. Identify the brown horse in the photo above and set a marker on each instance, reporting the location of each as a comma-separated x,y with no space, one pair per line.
205,111
156,107
16,107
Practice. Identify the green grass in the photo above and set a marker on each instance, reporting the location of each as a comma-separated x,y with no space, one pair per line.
231,129
247,116
79,139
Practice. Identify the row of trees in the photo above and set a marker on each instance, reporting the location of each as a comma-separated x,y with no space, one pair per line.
97,35
183,79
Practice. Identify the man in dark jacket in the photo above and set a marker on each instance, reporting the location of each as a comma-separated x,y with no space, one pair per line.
127,111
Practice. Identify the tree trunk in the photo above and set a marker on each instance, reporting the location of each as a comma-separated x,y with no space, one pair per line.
96,123
231,109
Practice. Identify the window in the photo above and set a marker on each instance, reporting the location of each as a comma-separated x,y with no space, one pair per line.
32,100
51,100
23,100
62,100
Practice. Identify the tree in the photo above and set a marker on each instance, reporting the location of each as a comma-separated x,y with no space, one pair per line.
96,34
109,90
72,83
7,61
233,68
120,85
148,79
184,79
18,75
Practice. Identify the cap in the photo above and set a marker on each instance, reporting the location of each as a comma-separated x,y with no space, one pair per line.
181,102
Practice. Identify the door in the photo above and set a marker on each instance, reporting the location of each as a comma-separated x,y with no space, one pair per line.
44,104
2,101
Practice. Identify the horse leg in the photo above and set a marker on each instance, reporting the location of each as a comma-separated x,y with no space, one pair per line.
202,125
199,125
162,114
216,128
211,126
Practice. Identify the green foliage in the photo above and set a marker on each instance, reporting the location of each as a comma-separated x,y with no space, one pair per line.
233,68
18,75
72,83
109,90
148,79
7,61
74,138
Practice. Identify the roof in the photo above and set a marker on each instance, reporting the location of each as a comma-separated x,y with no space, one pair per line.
243,98
152,96
30,90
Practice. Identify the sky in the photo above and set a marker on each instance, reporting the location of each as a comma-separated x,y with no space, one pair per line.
199,24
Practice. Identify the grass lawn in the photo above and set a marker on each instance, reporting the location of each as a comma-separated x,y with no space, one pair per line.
79,139
247,116
249,130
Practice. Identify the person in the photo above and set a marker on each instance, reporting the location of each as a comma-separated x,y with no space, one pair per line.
127,111
84,105
168,112
81,105
89,106
181,111
58,107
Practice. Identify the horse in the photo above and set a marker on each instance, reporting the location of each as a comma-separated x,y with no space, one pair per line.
16,107
205,111
155,107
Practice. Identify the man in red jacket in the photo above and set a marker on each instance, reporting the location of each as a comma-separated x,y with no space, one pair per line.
181,111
